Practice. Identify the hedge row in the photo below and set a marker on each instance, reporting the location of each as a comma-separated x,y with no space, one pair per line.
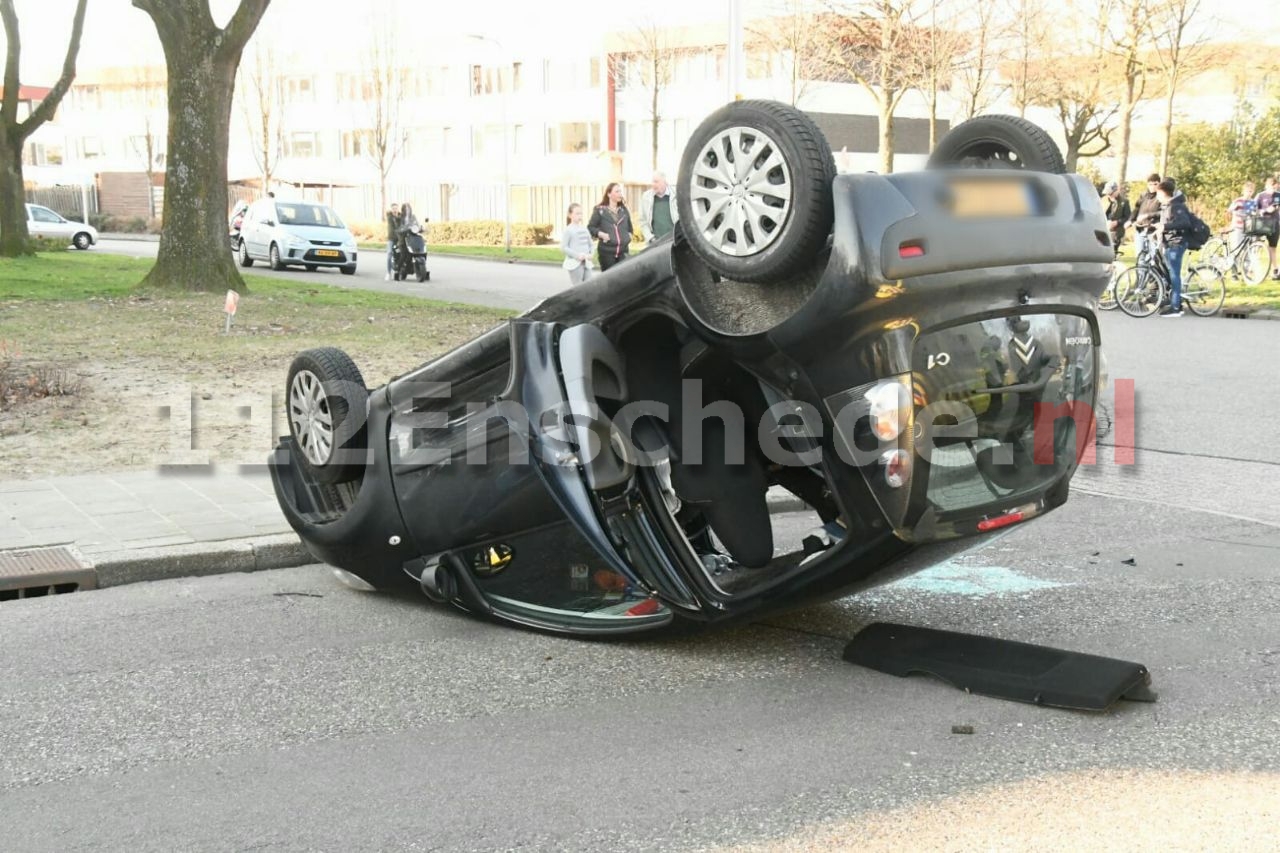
476,232
124,224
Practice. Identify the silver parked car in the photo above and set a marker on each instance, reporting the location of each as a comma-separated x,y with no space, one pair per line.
286,233
43,222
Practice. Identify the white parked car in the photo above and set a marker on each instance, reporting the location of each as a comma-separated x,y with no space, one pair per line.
287,233
43,222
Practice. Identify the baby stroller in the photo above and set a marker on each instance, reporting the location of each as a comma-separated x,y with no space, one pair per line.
410,256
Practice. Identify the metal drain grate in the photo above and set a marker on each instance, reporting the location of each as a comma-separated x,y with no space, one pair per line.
34,572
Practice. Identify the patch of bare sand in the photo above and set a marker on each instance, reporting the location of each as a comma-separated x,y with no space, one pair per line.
1137,810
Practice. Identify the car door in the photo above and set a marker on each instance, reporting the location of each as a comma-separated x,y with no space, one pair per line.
43,222
253,229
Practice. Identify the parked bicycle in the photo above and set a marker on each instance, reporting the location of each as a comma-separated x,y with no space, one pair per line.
1142,289
1248,261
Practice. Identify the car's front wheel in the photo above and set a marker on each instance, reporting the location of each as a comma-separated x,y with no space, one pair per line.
274,255
754,192
351,270
327,401
245,259
82,241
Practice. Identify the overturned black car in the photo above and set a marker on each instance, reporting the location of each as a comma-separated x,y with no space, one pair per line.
914,356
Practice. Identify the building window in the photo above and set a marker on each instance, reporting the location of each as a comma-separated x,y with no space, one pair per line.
89,147
88,97
516,82
573,138
357,143
300,89
302,145
622,137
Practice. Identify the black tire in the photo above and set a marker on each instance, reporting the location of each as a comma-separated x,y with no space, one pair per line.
420,267
426,275
310,267
325,384
274,256
998,142
82,241
1139,291
1204,290
793,209
245,260
351,270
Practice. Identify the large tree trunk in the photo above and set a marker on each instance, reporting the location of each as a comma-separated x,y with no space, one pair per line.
202,60
14,238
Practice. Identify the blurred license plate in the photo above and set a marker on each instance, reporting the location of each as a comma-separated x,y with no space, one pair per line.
327,253
991,198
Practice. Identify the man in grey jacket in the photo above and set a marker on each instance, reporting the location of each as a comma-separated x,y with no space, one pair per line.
658,214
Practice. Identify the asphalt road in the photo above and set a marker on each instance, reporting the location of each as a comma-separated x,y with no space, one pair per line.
283,711
518,286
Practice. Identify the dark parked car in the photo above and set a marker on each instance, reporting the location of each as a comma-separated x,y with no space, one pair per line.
914,356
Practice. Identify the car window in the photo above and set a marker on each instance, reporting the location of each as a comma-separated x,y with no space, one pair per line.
44,214
308,214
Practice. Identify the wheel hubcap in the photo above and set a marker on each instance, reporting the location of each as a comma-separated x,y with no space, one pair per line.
310,417
741,192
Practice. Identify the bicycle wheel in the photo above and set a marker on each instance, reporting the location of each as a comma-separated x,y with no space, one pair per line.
1139,291
1203,290
1107,301
1217,253
1255,263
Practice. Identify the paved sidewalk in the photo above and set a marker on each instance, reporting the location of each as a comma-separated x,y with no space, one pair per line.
148,525
108,513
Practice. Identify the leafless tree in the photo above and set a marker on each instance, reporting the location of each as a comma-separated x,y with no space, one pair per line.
645,63
979,54
14,237
383,92
876,43
262,105
1132,40
1028,38
1180,52
201,59
942,48
788,37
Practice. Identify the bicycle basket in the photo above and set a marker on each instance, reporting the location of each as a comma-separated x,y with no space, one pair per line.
1256,225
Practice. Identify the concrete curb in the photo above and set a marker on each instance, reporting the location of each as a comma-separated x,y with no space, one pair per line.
258,554
278,551
132,238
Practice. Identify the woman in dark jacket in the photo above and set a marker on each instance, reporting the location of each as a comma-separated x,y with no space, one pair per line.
611,225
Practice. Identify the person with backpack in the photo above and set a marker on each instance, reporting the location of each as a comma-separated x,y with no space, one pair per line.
1173,229
1118,213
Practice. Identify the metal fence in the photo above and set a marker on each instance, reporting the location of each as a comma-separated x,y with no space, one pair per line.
68,201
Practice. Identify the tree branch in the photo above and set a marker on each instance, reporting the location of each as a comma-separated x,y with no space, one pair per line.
241,26
164,16
49,105
13,55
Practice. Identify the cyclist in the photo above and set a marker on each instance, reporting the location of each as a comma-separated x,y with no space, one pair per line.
1239,209
1118,213
1173,225
1269,206
1146,213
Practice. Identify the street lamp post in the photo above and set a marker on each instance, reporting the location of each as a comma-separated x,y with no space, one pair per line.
506,143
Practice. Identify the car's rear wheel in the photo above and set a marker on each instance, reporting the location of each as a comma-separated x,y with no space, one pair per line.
245,259
998,142
327,401
82,241
754,191
274,256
